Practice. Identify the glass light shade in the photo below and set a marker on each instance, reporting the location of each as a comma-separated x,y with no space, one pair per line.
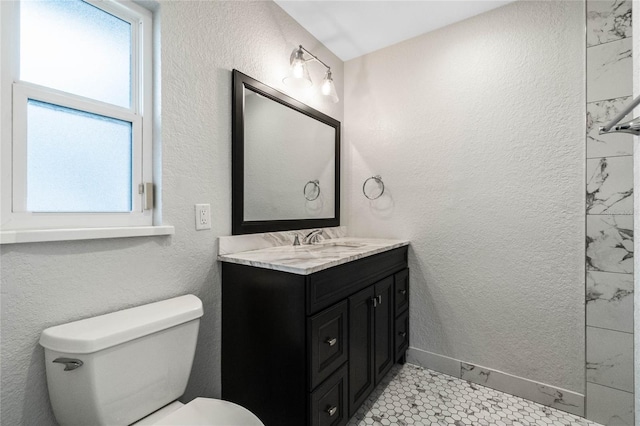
329,88
298,77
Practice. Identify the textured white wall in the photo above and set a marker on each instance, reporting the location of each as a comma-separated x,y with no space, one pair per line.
478,132
51,283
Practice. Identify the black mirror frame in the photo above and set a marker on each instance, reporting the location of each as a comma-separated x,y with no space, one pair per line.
239,226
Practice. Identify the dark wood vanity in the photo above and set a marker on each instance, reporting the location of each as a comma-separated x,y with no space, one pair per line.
308,349
302,345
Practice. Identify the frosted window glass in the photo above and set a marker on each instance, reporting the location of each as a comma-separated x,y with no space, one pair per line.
76,161
72,46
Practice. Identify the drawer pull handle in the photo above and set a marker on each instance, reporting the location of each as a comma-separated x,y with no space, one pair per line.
331,342
379,297
402,292
402,333
331,411
374,300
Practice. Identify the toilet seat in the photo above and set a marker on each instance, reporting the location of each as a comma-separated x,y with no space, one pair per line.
210,412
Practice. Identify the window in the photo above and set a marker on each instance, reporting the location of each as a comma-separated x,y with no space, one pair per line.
76,114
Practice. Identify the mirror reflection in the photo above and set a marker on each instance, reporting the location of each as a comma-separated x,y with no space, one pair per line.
289,162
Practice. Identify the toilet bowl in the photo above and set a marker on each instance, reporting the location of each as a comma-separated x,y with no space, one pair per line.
201,412
130,367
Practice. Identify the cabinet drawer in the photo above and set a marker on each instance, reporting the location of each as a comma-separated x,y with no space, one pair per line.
402,334
324,288
328,343
402,291
329,401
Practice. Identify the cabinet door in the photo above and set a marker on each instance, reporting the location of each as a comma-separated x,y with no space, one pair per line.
361,369
383,326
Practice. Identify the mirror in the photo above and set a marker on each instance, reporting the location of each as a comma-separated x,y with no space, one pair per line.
286,161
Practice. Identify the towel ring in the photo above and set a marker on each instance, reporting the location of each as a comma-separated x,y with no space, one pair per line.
378,179
316,185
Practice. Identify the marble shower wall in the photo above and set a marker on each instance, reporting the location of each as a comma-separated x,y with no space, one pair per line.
609,210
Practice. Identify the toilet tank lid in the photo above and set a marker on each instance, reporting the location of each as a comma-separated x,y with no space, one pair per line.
101,332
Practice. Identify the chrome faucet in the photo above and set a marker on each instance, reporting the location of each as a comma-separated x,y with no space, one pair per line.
313,237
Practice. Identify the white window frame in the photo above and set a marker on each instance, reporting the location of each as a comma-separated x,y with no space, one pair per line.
13,112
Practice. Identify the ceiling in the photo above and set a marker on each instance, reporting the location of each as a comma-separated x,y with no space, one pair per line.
353,28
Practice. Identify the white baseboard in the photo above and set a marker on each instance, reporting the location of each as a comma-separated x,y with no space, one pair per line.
541,393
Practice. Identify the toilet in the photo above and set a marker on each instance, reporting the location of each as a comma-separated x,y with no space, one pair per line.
130,367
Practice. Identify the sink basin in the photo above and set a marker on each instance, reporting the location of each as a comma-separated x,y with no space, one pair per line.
332,246
344,244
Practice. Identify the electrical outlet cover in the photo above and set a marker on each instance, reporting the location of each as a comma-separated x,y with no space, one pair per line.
203,216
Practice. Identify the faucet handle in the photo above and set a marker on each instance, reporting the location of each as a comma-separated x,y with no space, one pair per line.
313,237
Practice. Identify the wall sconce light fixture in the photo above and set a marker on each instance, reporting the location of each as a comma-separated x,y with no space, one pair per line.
299,74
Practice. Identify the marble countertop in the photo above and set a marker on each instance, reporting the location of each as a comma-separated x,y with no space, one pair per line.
307,259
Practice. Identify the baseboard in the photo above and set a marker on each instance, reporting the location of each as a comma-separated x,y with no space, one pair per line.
435,362
541,393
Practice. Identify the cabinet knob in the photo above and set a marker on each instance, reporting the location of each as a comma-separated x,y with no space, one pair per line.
402,333
331,341
403,292
331,411
379,297
374,300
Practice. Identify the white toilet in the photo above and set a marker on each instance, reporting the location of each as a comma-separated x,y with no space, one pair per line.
130,367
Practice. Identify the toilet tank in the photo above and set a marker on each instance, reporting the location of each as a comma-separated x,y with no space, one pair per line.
134,362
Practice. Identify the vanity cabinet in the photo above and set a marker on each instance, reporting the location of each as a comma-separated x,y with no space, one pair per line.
309,349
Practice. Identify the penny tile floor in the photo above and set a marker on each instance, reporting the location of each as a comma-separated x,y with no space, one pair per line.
412,395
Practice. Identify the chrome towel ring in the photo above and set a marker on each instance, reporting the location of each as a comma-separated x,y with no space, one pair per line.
380,183
316,186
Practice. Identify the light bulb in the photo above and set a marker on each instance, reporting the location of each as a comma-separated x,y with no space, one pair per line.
297,69
298,74
328,88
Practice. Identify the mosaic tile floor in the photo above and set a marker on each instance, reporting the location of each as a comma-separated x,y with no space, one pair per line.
412,395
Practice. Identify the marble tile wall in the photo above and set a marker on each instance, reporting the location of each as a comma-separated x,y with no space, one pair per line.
609,221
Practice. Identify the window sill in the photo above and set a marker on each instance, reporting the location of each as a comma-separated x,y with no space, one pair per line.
43,235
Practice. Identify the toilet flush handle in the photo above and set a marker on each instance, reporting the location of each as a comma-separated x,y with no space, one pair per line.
69,363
